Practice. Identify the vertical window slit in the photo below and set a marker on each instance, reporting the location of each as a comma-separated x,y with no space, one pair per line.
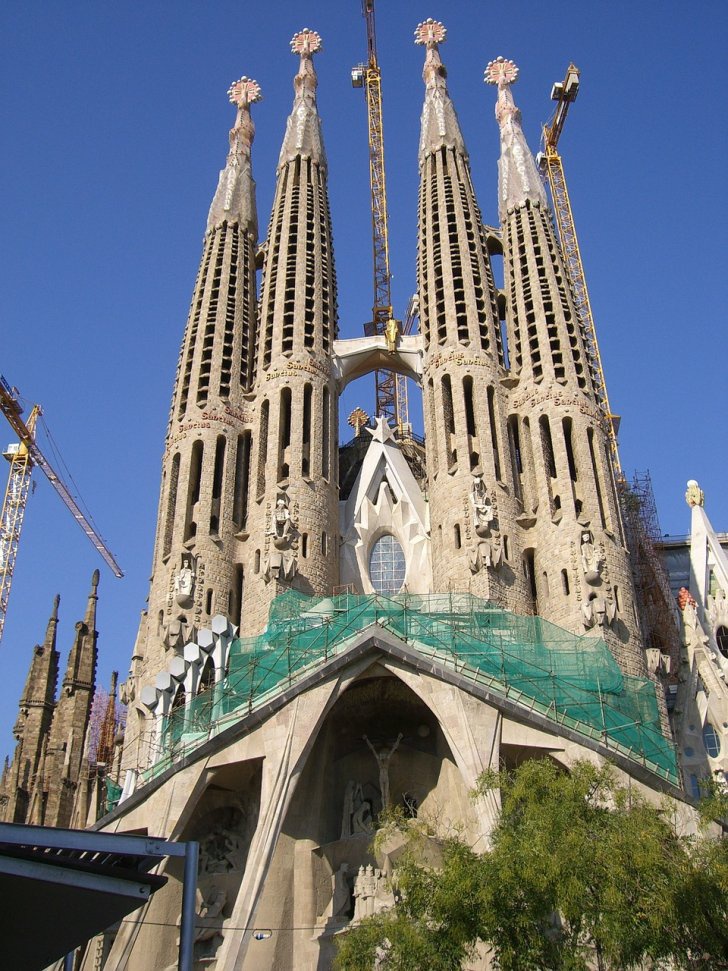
171,505
217,481
242,480
193,490
284,435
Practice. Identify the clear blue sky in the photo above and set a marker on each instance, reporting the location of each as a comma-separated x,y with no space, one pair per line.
115,121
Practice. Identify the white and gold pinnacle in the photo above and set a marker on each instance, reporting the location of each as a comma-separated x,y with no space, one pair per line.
518,177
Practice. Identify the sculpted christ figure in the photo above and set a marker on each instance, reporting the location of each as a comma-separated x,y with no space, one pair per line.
383,756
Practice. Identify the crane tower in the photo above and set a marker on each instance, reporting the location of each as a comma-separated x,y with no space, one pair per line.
564,93
391,388
23,456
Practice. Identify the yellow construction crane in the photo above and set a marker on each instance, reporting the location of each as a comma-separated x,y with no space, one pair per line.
23,456
391,388
564,93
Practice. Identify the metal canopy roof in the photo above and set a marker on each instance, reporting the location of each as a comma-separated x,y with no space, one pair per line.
60,887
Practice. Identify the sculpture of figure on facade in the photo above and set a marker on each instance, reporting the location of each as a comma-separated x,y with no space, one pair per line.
177,632
383,757
483,512
184,583
590,560
391,333
208,925
695,636
372,893
281,562
487,553
598,612
221,851
357,813
340,903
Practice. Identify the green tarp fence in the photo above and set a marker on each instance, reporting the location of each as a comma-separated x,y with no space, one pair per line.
572,680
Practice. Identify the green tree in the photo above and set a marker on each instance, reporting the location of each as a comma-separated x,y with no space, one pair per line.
581,873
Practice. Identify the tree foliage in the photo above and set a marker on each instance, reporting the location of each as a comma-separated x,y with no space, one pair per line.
581,873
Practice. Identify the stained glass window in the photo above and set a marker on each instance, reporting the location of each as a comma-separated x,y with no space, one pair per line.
387,565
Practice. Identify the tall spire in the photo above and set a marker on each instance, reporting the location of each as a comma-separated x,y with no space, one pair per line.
37,704
295,444
518,176
303,128
439,124
234,198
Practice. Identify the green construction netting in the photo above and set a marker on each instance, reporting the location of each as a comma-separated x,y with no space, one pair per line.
572,680
113,794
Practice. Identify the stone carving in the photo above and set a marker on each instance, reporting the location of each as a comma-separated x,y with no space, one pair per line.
209,916
184,582
695,636
221,851
483,512
694,494
357,813
340,902
281,562
177,632
488,551
591,562
383,756
598,612
372,893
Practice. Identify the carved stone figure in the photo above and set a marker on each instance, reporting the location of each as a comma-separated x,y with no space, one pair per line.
483,512
184,583
221,851
177,633
356,815
281,563
695,636
372,893
340,893
383,756
487,553
209,915
598,612
362,820
590,560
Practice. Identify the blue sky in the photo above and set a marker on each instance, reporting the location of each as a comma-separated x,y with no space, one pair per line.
115,120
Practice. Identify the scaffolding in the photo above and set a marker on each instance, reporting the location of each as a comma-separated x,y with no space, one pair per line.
571,680
654,598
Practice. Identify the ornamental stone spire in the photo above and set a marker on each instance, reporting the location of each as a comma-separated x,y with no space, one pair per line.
234,199
439,125
303,128
518,176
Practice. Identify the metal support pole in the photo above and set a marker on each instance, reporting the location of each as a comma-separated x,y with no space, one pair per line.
189,892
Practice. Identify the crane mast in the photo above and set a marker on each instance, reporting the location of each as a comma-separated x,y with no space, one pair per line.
391,388
23,456
565,93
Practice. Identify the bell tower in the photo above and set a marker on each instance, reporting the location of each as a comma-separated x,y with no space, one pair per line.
573,549
472,495
294,488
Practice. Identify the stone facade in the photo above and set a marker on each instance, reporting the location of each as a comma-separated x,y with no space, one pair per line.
508,509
